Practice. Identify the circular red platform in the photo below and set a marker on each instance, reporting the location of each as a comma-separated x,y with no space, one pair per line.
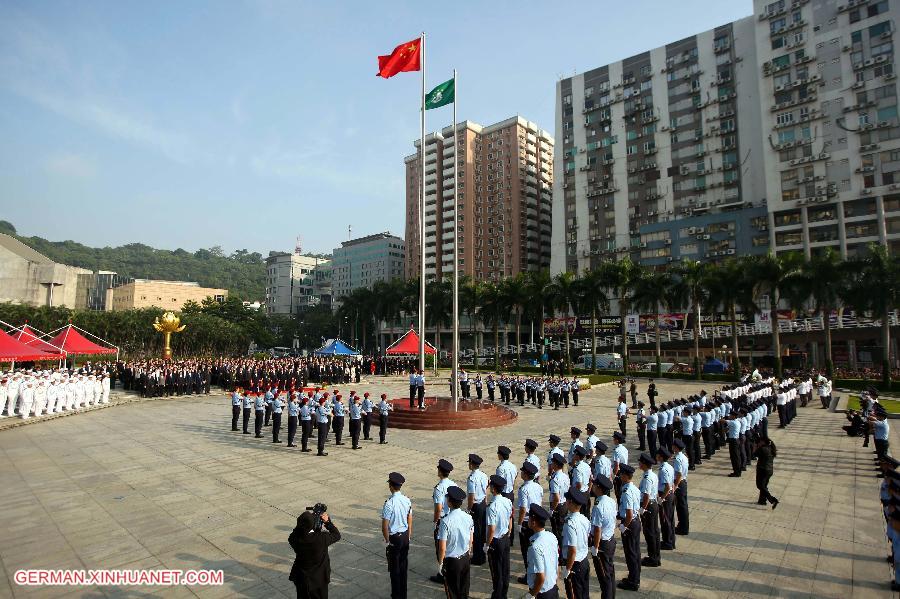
439,414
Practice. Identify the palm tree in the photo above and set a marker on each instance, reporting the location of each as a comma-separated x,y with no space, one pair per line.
515,293
730,286
775,276
470,292
437,312
692,289
874,285
653,291
619,277
821,279
561,292
592,298
494,310
536,283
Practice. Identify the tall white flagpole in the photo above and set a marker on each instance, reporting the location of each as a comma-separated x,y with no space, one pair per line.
455,343
422,222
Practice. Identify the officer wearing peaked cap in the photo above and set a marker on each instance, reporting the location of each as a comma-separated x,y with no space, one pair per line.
476,493
454,538
630,527
603,539
543,556
530,446
560,483
441,509
396,527
553,440
577,528
498,524
529,493
649,488
506,470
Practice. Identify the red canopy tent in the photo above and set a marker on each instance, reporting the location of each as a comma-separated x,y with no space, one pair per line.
73,342
13,350
408,344
27,336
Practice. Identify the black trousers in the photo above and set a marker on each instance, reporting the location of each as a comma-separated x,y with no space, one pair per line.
308,590
398,563
321,433
382,427
623,421
258,422
689,448
605,568
456,576
498,562
246,419
421,393
276,427
742,451
650,526
575,402
355,427
366,425
305,432
735,455
268,413
337,425
478,391
553,593
782,416
525,542
762,483
235,415
708,442
651,442
642,437
881,447
479,511
579,580
681,508
631,546
412,396
292,429
667,522
697,460
565,395
491,393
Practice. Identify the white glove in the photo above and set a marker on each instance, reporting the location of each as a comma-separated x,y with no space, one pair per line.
622,528
565,572
521,527
387,543
487,547
594,551
527,595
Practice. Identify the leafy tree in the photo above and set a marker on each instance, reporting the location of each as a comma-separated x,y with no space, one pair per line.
692,289
775,276
7,227
619,277
514,291
730,285
654,291
562,293
591,293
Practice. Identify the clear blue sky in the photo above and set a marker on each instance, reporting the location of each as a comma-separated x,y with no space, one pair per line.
246,123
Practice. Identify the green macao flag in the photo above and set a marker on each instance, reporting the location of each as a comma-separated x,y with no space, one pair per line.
442,95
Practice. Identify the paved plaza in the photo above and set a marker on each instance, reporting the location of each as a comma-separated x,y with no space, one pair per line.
166,484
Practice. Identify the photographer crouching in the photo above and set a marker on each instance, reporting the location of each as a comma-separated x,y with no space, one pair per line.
311,572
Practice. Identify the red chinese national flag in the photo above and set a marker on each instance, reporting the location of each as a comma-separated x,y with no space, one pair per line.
405,57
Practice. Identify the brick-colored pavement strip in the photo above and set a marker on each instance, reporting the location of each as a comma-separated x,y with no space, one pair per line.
158,484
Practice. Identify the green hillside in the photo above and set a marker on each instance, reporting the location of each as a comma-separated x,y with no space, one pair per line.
242,273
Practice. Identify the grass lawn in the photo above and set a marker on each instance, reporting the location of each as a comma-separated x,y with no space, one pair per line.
892,406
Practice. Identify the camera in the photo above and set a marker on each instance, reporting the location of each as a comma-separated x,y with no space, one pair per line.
318,510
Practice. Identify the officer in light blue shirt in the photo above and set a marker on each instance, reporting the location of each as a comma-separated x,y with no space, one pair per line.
476,491
269,396
602,464
577,528
506,470
367,408
543,554
649,488
293,418
323,411
666,499
455,536
554,449
576,442
619,459
260,405
236,401
592,439
356,416
277,406
529,493
630,527
498,522
603,527
530,446
441,507
337,419
680,466
306,423
581,472
396,526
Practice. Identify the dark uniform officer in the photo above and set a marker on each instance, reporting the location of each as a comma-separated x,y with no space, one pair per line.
396,524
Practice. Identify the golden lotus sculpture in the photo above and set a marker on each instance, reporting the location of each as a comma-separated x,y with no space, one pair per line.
167,324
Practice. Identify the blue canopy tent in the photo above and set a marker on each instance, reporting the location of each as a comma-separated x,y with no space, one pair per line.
336,347
714,367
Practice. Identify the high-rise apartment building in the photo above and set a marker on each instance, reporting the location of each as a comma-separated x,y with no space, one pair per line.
653,152
830,122
363,261
505,199
777,131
